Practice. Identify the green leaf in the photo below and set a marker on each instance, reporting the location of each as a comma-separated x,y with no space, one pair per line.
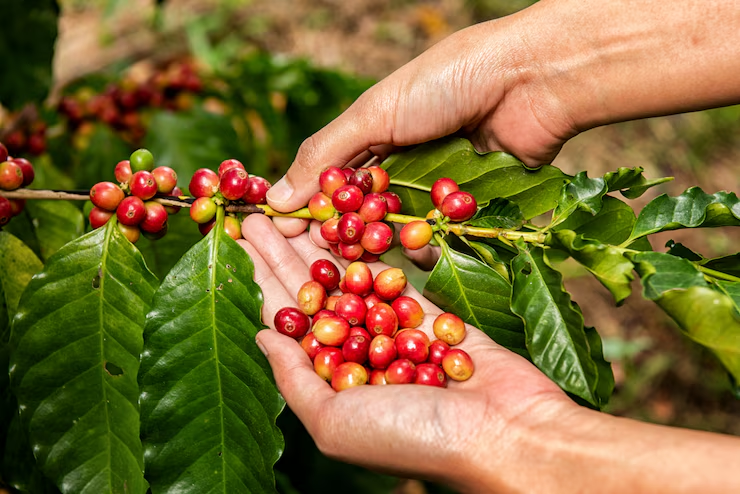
490,256
556,337
500,213
478,294
732,290
487,176
660,272
77,339
19,468
98,159
692,209
17,265
27,45
581,193
162,255
208,399
46,226
631,182
605,384
604,261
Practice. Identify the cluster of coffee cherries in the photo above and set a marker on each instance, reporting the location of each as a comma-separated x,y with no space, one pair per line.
27,138
368,331
14,173
130,200
231,183
352,205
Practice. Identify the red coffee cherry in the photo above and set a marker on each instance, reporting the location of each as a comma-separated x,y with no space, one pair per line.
257,191
377,377
123,171
156,235
360,331
3,152
381,319
437,351
348,375
381,180
351,308
176,192
131,211
11,175
382,351
331,302
205,228
401,371
204,183
449,328
228,165
350,252
331,330
350,228
203,210
132,233
390,283
98,217
311,345
459,206
233,227
458,365
416,234
412,344
143,185
362,179
355,349
106,195
373,208
331,179
409,312
441,189
166,179
16,206
311,297
6,211
368,257
377,238
325,272
372,300
430,375
320,207
329,230
393,202
291,322
156,217
234,183
348,172
358,278
27,169
324,313
326,361
347,199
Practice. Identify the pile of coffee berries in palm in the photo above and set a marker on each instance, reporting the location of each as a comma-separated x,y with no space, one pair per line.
14,173
131,199
367,332
352,205
231,183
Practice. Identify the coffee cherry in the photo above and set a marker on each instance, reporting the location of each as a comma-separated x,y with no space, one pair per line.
358,278
106,195
205,228
329,230
204,183
257,191
131,211
362,179
449,328
331,179
393,202
99,217
350,252
123,172
377,238
331,302
359,331
350,228
156,235
176,192
16,206
352,308
27,168
430,375
458,365
355,349
141,159
348,172
234,183
416,234
233,227
409,312
381,180
401,371
331,330
459,206
348,375
372,300
203,210
412,344
347,199
343,285
5,211
291,322
441,189
311,345
156,217
311,297
377,377
437,351
382,351
3,152
228,165
320,207
381,319
390,283
368,257
166,179
324,313
326,361
325,272
373,208
132,233
143,185
11,175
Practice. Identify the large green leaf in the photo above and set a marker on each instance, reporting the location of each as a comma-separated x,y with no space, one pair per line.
26,50
499,213
692,209
77,339
732,290
556,337
660,272
18,467
208,400
631,182
46,226
486,176
18,264
478,294
581,193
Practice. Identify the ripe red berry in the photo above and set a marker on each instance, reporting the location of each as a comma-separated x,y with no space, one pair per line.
359,331
311,297
381,180
99,217
228,165
176,192
377,238
430,375
156,217
377,377
347,198
11,175
412,344
331,330
311,345
331,179
382,351
156,235
131,211
355,349
381,319
416,234
205,228
368,257
348,173
27,168
352,308
257,191
449,328
5,211
141,159
393,202
324,313
401,371
441,189
166,179
143,185
131,232
16,206
409,312
348,375
350,252
331,302
233,227
373,208
363,180
123,172
390,283
106,195
372,300
325,272
326,361
3,152
358,278
437,351
320,207
459,206
350,228
458,365
203,210
291,322
204,183
234,183
329,230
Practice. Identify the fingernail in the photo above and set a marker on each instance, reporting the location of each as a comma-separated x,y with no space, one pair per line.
261,346
281,191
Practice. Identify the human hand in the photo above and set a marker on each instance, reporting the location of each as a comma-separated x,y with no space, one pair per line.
470,434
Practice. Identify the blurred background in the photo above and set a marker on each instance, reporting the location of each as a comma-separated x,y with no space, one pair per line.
197,81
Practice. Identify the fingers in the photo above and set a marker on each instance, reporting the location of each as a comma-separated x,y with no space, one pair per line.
425,258
290,227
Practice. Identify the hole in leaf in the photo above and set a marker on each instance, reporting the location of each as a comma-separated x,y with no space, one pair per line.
113,369
527,269
96,280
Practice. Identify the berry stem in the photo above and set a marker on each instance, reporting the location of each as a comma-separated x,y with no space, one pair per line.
402,218
460,230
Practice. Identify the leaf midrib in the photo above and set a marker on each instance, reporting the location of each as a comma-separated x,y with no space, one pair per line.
213,258
101,302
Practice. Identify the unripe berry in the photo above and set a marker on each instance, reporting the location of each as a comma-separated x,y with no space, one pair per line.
331,302
234,183
141,159
132,233
355,349
449,328
5,211
352,308
458,365
358,278
381,319
257,191
329,230
228,165
393,202
381,180
326,361
441,189
166,179
106,195
348,375
331,179
204,183
331,330
416,234
233,227
459,206
412,344
437,351
27,168
347,198
156,217
350,228
143,185
292,322
409,312
362,179
377,237
382,351
11,175
311,297
350,252
203,210
320,207
430,375
131,211
390,283
123,171
311,345
325,272
401,371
